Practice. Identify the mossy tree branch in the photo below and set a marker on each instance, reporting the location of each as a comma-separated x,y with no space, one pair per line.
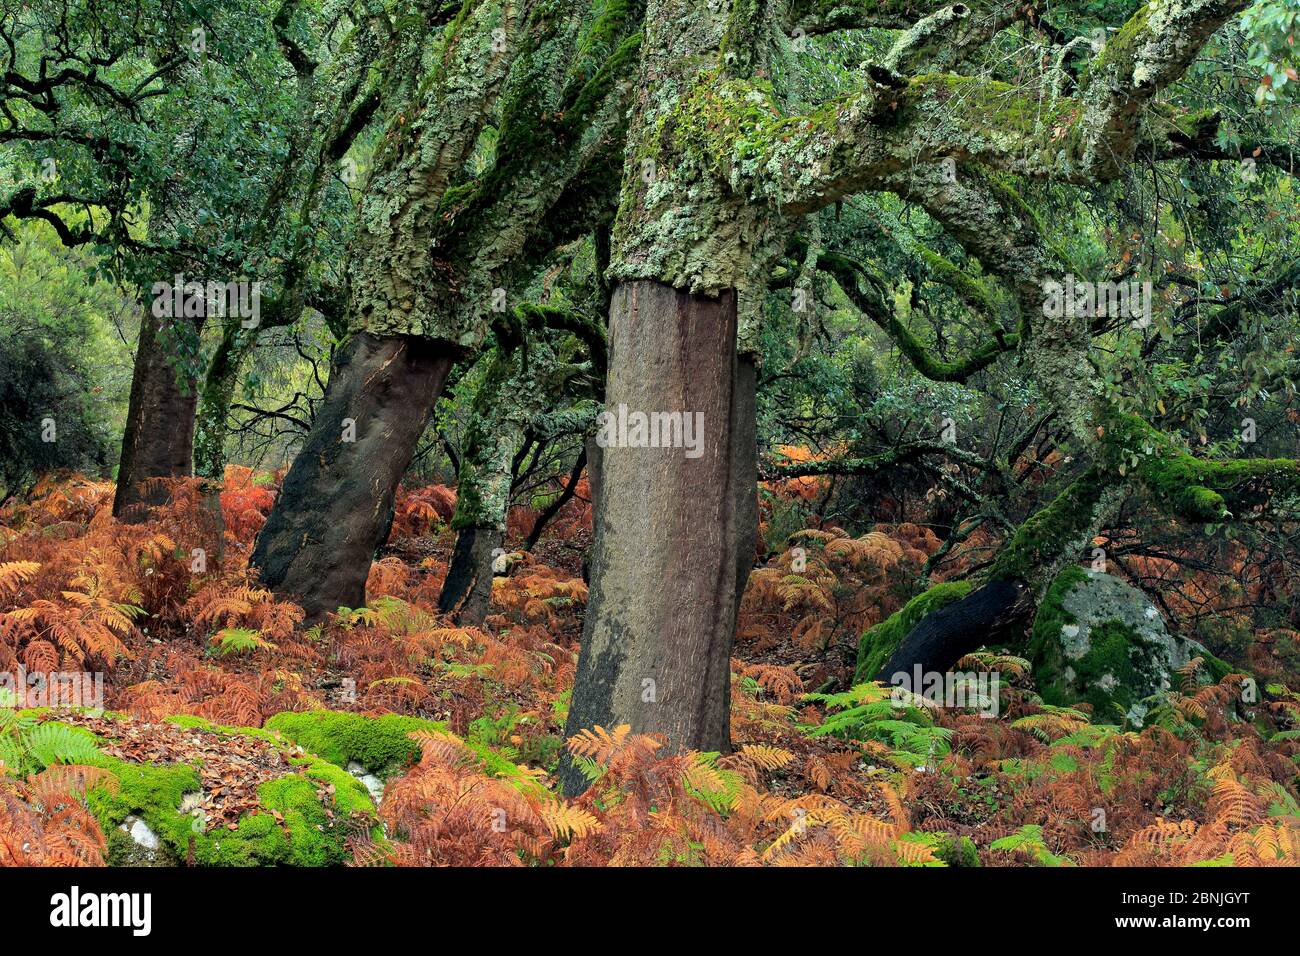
873,464
1197,489
894,122
865,292
1151,50
816,17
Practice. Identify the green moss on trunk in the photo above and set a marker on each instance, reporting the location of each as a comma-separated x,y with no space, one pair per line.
878,643
1055,530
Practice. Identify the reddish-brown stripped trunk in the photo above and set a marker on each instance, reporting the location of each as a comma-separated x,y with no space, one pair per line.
656,646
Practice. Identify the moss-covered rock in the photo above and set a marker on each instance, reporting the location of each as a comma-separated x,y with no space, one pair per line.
379,744
879,643
125,848
1100,640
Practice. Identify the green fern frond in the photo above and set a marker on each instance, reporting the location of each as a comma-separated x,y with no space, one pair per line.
238,640
53,743
1029,839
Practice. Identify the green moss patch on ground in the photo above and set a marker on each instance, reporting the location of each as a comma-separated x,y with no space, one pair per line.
217,796
380,744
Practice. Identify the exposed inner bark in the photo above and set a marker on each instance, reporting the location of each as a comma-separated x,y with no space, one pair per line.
660,621
468,588
336,504
943,637
158,441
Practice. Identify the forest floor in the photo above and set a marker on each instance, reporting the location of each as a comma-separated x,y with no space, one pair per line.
235,734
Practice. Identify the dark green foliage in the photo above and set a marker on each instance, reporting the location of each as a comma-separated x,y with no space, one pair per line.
58,393
43,394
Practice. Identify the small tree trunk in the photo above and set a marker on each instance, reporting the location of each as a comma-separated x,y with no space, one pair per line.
562,499
467,590
159,437
943,637
656,646
210,427
336,503
595,458
744,470
483,486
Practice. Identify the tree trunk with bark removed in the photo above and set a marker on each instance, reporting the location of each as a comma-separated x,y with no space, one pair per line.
336,504
467,591
744,475
656,647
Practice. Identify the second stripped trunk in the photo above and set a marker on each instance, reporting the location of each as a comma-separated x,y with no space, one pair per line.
336,504
159,437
